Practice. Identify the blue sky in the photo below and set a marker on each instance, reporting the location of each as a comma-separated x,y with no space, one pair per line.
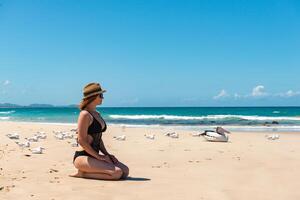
151,53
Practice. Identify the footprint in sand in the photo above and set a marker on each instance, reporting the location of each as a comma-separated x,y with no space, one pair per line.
156,166
53,170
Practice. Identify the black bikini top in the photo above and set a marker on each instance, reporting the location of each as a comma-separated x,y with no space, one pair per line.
96,127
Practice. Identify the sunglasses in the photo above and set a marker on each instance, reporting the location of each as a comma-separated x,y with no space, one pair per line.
101,95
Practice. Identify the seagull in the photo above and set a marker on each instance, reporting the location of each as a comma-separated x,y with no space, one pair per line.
67,135
41,135
272,137
172,135
74,144
37,150
59,136
13,135
219,135
23,144
33,139
151,137
120,137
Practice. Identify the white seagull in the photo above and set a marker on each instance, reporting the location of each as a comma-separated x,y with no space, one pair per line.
151,137
33,139
37,150
120,137
13,135
23,144
172,135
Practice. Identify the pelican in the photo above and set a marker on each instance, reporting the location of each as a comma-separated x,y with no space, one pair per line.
219,135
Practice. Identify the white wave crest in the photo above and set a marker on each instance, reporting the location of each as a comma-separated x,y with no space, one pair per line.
208,117
4,118
7,112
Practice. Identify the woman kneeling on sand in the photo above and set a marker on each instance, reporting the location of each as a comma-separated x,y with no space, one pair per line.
87,160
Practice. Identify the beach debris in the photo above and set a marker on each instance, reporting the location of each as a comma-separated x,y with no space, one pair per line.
33,139
23,144
272,137
218,135
149,136
37,150
172,134
73,130
120,137
13,136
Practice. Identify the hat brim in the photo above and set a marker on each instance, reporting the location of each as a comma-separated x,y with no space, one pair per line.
93,94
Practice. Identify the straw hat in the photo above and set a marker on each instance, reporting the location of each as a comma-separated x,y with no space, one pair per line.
92,89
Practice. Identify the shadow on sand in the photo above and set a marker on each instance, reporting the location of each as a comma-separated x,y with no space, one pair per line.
129,178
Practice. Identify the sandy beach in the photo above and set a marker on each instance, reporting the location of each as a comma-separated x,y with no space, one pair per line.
249,166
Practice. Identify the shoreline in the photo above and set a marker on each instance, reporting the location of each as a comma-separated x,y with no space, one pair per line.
235,128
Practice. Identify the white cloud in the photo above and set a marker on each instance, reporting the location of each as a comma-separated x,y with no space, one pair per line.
222,94
237,96
289,93
258,91
7,82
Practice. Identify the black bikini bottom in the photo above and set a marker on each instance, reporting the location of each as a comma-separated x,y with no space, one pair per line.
81,153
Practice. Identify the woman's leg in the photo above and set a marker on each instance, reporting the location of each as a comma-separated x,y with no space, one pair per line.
89,167
124,169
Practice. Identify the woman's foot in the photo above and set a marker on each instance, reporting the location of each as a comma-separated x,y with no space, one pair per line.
79,174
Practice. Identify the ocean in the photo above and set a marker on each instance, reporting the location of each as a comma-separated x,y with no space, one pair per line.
196,118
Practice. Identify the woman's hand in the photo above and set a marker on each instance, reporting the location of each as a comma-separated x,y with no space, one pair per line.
105,158
113,158
108,159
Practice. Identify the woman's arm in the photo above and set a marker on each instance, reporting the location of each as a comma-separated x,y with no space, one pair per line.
104,151
83,124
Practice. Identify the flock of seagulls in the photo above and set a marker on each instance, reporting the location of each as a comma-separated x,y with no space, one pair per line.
41,136
218,135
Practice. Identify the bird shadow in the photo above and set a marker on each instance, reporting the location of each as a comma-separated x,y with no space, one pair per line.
129,178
